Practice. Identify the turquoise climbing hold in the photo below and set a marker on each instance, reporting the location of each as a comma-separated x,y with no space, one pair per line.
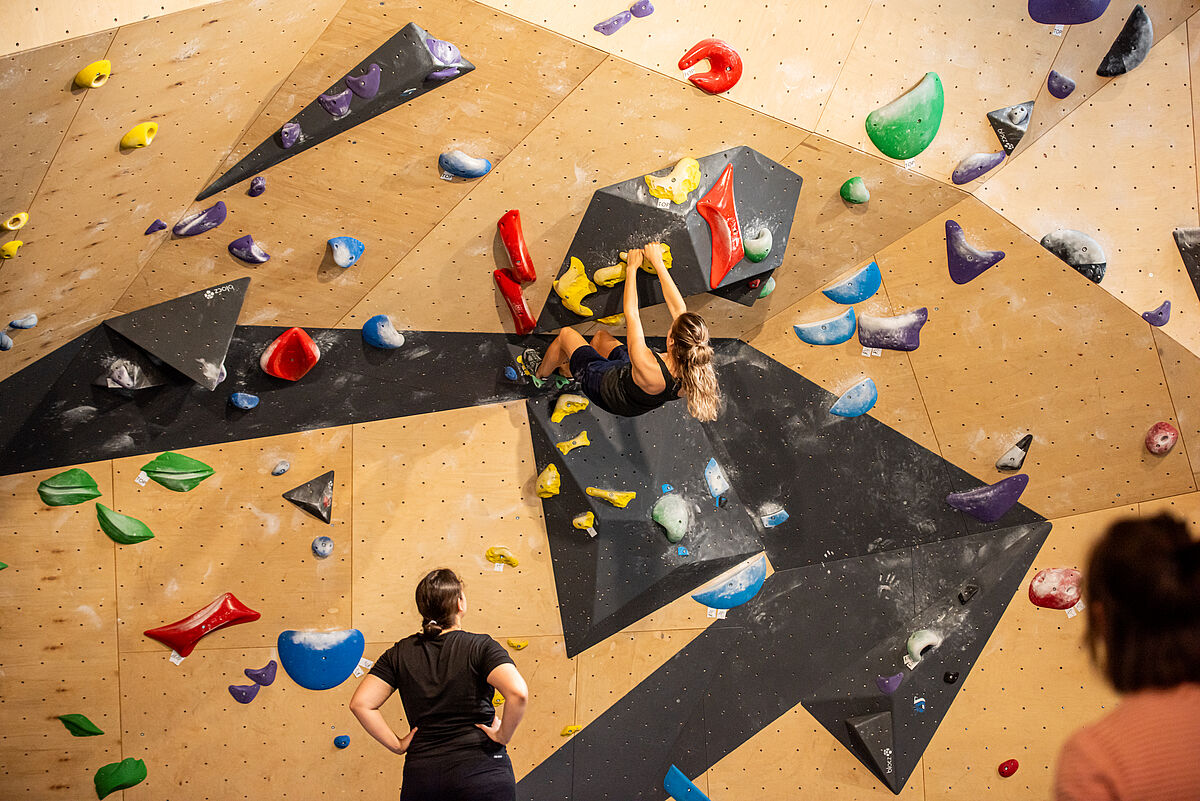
858,287
737,589
907,125
857,400
833,331
680,787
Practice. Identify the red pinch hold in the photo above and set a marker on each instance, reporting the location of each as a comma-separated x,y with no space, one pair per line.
291,355
725,65
182,635
514,242
720,211
1008,767
511,291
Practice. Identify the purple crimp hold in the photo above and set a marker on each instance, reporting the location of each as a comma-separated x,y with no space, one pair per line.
263,675
1059,85
243,693
289,134
889,684
155,227
1066,12
990,502
902,332
613,24
201,221
1159,316
366,85
337,106
249,251
258,185
966,262
446,56
641,8
974,166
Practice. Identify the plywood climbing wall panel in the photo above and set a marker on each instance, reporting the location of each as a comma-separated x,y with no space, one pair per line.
28,24
380,182
552,680
1182,370
1120,168
1184,507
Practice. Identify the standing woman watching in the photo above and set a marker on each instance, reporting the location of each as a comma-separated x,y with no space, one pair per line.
456,748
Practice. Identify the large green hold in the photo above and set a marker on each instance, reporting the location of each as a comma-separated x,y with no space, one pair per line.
68,487
121,528
119,776
80,726
176,471
672,513
906,126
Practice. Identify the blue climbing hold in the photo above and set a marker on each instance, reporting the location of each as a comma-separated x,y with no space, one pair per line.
833,331
322,547
342,740
902,332
243,400
511,373
667,488
378,332
714,476
737,589
318,660
459,163
774,518
346,250
859,399
680,787
858,287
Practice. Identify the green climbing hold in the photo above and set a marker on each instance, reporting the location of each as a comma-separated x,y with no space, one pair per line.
3,565
177,472
906,126
757,244
767,288
672,513
119,776
68,487
855,191
79,725
121,528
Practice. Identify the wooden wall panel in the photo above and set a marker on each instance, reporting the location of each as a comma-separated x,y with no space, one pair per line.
1185,507
28,24
1182,370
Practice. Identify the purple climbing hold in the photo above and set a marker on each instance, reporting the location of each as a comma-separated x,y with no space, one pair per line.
446,56
249,251
258,185
1059,85
902,332
366,85
1160,315
976,165
155,227
613,24
990,502
243,693
641,8
889,684
289,134
337,106
264,675
1066,12
201,221
967,262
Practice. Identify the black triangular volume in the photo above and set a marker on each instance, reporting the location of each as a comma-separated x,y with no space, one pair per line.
1010,124
1188,242
191,333
403,64
315,497
872,734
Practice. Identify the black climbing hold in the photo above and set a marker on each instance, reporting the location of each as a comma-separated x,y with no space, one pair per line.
967,593
1014,457
1078,250
950,677
872,734
1010,124
1188,242
315,497
1131,46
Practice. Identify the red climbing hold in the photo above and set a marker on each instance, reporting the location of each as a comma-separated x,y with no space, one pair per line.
511,291
1055,588
1008,767
291,355
1161,437
514,242
182,635
725,65
720,211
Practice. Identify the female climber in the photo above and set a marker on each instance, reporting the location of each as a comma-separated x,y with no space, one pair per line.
456,748
631,379
1143,628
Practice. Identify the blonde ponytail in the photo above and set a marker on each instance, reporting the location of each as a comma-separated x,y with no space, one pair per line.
693,353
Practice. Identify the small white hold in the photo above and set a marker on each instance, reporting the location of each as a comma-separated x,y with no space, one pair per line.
28,321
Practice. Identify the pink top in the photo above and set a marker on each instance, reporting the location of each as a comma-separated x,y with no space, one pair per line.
1147,749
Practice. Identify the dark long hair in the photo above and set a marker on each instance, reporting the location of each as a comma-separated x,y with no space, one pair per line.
1143,590
437,600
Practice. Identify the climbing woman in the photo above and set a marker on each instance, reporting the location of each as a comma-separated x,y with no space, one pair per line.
1143,626
445,676
631,379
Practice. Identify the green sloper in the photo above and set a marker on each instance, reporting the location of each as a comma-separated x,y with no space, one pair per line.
121,528
177,472
79,725
119,776
68,487
906,126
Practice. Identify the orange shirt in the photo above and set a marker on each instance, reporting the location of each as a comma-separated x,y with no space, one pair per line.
1147,749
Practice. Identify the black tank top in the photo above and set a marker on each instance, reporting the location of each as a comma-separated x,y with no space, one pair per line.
621,395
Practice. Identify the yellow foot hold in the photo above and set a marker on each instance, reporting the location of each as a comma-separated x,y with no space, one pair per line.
567,403
566,447
497,699
140,135
15,222
499,555
9,249
615,497
616,319
611,276
573,286
517,645
569,730
584,521
676,185
94,75
549,482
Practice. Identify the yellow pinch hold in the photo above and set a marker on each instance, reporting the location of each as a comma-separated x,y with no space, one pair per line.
499,555
617,498
676,185
573,286
497,699
9,249
568,403
584,521
140,135
611,276
569,730
549,482
94,75
569,445
15,222
616,319
517,645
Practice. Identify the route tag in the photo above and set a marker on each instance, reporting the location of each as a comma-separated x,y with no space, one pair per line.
141,479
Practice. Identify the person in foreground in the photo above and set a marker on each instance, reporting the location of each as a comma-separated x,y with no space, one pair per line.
1143,627
630,379
456,748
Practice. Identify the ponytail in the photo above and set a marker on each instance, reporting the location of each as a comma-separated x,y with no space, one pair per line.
693,353
437,601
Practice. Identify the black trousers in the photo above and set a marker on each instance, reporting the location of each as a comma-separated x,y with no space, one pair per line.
473,777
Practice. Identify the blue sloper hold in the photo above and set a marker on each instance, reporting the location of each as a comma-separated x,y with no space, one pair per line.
990,502
774,518
902,332
341,741
378,332
857,400
714,476
243,400
319,660
1159,316
346,250
1059,85
25,322
459,163
680,787
6,342
967,262
975,166
1066,12
833,331
858,287
737,589
1131,46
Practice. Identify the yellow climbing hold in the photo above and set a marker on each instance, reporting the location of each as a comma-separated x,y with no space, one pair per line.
94,75
499,555
569,445
615,497
497,699
611,276
9,249
549,482
140,135
676,185
615,319
517,645
569,730
567,403
573,286
584,521
16,221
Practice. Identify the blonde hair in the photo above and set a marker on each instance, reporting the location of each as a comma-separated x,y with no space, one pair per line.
693,353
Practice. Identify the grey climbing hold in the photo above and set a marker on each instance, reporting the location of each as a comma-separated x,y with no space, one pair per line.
128,374
1010,124
1059,85
1079,250
315,496
1131,46
975,166
1188,242
1014,457
965,261
967,593
921,643
672,513
281,467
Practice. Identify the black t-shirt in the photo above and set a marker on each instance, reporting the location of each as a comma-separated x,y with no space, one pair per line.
442,683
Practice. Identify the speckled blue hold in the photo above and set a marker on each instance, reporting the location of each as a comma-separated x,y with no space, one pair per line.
714,477
322,547
281,467
6,342
155,227
243,400
258,185
858,287
342,740
511,373
378,332
346,250
459,163
737,589
833,331
28,321
857,400
1159,316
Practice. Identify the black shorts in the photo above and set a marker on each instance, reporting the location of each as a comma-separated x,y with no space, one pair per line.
589,367
473,777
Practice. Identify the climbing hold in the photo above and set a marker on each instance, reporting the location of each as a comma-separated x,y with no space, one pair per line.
611,276
518,645
129,772
675,185
68,488
459,163
990,502
80,726
725,65
1009,766
497,698
1010,124
1066,12
513,238
366,85
967,593
346,250
617,498
378,332
889,684
289,134
264,675
322,547
672,513
573,286
290,356
9,249
902,332
140,135
500,555
314,496
566,404
976,165
1014,457
613,24
584,521
569,730
281,467
6,342
1159,316
857,400
966,262
921,642
719,209
176,472
249,251
767,288
757,244
906,126
447,58
120,528
94,75
25,322
855,191
736,590
680,787
15,222
244,693
918,705
549,482
510,290
155,227
856,288
127,374
182,635
715,478
950,677
1079,250
258,185
773,519
1131,46
201,221
642,8
566,446
1161,438
1055,588
833,331
341,741
1059,85
336,106
319,660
